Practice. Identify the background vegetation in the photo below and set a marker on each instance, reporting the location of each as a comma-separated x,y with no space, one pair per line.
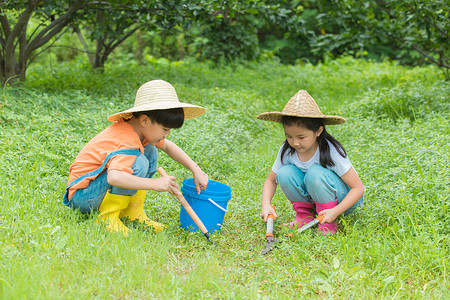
397,136
412,32
67,65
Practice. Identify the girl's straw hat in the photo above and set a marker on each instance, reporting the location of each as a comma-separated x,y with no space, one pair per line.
158,94
301,105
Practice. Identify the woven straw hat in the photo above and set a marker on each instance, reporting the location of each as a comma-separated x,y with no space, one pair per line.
158,94
301,105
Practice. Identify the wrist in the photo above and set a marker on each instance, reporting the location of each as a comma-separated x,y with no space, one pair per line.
265,204
337,210
196,169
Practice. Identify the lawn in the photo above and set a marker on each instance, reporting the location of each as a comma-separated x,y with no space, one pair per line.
396,135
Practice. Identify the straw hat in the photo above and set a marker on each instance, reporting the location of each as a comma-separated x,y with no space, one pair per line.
158,94
301,105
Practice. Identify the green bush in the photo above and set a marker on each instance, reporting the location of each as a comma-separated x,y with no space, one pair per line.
411,100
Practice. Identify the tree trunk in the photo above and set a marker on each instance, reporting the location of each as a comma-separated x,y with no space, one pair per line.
140,51
11,71
98,61
85,46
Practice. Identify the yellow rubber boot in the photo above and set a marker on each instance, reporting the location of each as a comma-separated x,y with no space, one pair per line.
135,211
110,210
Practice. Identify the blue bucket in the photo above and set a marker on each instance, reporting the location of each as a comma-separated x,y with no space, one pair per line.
210,206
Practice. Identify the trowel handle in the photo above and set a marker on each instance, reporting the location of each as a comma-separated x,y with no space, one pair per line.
270,218
187,207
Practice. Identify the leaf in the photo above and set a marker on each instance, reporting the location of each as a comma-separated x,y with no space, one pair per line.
389,279
336,263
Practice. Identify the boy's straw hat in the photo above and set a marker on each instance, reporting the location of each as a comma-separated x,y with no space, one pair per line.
301,105
158,94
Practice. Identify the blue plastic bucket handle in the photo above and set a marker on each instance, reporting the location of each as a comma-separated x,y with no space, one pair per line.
217,205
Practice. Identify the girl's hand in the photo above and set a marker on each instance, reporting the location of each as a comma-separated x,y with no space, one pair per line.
166,184
201,180
267,210
329,215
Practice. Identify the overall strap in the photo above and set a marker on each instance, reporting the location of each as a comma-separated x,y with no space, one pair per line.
99,170
108,157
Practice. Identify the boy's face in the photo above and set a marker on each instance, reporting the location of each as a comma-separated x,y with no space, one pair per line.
152,131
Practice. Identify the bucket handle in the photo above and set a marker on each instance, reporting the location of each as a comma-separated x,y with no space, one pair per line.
217,205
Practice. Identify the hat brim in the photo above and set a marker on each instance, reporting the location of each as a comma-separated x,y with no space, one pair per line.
190,110
277,117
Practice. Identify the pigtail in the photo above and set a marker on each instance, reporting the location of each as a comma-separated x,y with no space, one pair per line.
324,148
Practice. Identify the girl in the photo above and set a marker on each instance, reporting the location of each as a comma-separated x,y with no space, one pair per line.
312,167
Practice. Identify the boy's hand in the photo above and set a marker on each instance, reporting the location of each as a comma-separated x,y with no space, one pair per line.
267,210
201,180
166,184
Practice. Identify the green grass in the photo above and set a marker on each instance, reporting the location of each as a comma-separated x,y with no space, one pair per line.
397,137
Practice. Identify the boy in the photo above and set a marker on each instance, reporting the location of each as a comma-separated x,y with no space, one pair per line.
114,170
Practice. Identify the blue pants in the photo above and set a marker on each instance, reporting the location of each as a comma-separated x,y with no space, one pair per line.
90,198
318,185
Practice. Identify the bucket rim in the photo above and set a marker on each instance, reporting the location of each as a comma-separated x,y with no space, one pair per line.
188,183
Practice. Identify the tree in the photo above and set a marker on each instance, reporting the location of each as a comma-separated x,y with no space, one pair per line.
103,24
422,26
226,28
17,47
286,29
110,23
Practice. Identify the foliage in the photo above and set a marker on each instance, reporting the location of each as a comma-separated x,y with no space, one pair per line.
397,246
407,101
413,32
225,30
287,28
109,24
397,29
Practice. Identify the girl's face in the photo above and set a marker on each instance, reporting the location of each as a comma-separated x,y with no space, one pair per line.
303,140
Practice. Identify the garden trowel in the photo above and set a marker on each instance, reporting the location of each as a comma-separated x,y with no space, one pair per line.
271,242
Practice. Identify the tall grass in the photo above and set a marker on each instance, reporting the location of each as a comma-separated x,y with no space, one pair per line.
397,137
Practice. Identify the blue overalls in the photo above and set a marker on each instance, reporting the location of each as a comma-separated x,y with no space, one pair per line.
90,198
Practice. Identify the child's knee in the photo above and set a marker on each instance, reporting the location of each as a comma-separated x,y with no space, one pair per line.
140,166
286,174
315,176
